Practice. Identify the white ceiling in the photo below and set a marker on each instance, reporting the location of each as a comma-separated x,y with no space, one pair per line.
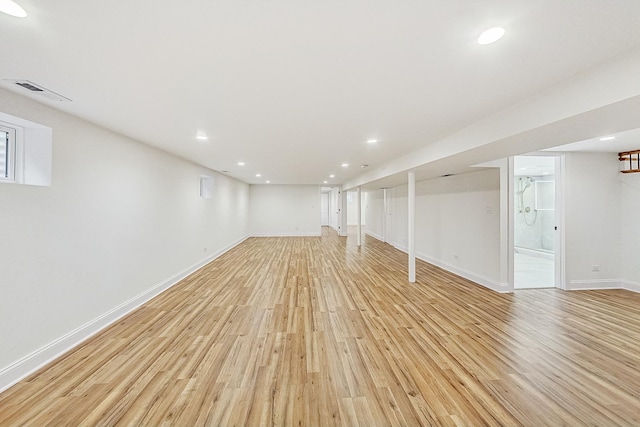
295,88
623,141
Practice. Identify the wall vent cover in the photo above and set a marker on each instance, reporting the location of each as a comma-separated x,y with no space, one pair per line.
37,89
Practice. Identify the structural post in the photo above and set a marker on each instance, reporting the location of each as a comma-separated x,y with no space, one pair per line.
411,232
385,213
343,212
359,217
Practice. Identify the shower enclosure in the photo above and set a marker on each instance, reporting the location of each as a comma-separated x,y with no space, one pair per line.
534,222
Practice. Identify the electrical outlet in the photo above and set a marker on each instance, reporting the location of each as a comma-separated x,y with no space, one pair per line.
595,268
488,210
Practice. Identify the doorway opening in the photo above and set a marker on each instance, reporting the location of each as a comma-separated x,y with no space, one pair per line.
536,242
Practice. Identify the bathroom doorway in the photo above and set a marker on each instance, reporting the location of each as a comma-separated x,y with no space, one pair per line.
536,218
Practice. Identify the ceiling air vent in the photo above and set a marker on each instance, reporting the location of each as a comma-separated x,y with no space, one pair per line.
36,89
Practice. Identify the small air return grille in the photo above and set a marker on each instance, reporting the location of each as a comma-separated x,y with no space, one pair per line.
37,90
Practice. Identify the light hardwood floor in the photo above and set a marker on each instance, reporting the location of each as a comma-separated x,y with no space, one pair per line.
314,331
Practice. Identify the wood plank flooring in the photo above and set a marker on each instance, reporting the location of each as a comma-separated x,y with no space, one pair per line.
314,331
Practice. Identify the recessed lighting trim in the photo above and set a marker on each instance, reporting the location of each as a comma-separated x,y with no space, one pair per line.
202,137
491,35
372,141
325,182
345,165
608,138
12,8
240,163
332,176
258,175
267,181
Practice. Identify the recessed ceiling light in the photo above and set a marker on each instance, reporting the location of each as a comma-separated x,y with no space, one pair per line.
12,8
491,35
267,181
371,141
345,165
608,138
240,163
332,176
325,182
202,136
258,175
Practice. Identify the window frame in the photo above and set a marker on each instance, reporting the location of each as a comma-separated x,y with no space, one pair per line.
11,153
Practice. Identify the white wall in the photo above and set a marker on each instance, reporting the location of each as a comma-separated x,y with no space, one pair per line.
630,229
352,208
374,214
324,208
592,206
285,210
457,223
120,222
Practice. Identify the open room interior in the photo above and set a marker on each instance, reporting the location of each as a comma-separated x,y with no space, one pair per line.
283,213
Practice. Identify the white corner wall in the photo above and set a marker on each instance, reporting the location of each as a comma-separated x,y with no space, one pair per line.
457,223
285,210
121,222
592,209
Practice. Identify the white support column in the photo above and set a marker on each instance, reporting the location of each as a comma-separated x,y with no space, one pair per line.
343,212
385,213
359,217
411,238
506,219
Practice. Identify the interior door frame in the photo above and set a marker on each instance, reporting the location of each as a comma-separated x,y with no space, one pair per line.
559,237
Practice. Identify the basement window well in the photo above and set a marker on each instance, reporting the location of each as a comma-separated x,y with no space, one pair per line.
25,152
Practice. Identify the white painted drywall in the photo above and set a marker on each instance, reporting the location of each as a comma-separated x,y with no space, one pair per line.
121,218
630,228
592,206
374,214
352,209
324,208
285,210
457,223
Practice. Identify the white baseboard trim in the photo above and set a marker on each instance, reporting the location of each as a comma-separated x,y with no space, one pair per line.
469,275
630,286
593,284
400,247
374,235
288,234
584,285
24,367
476,278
